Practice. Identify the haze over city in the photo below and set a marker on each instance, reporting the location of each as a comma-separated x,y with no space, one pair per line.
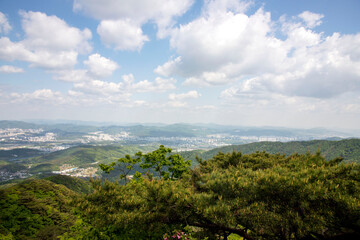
231,62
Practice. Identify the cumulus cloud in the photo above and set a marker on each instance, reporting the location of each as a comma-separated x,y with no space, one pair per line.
178,100
121,21
280,109
220,47
98,87
51,32
10,51
227,46
177,104
181,96
311,19
219,6
49,42
158,85
10,69
78,75
121,34
126,87
99,66
44,95
4,24
168,68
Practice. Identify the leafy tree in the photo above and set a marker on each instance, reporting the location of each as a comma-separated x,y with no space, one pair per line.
256,196
161,161
37,209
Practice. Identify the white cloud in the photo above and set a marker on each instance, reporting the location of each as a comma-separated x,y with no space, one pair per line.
4,24
53,33
121,34
177,104
219,6
168,68
311,19
206,107
225,45
43,95
300,37
99,66
158,85
11,51
99,87
49,42
160,12
217,48
282,110
10,69
78,75
75,93
181,96
208,79
125,88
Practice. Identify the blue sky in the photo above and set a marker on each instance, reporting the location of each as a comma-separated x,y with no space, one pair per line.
255,63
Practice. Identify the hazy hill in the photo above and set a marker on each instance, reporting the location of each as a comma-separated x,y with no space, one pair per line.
349,149
17,124
88,155
83,156
72,130
19,153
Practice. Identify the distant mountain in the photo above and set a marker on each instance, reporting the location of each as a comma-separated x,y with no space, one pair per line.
87,155
19,153
83,156
349,149
73,129
17,124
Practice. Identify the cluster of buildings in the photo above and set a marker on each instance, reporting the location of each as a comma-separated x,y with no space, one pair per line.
73,171
7,175
100,136
28,135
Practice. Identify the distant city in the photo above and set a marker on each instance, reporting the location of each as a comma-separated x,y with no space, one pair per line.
25,148
12,138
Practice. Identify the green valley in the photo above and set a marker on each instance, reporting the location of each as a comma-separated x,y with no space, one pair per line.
228,196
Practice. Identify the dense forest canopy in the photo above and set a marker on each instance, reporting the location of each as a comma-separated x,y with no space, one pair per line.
231,195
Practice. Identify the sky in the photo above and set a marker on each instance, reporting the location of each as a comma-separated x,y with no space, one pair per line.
293,63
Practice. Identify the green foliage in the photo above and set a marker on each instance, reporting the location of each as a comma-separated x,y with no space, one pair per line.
349,149
81,156
75,184
37,209
229,196
13,167
255,196
161,161
162,158
126,163
278,197
19,153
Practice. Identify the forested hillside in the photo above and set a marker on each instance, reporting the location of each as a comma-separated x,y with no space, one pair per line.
36,209
80,156
229,196
349,149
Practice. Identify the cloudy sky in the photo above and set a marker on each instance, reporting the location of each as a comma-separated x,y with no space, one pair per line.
293,63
